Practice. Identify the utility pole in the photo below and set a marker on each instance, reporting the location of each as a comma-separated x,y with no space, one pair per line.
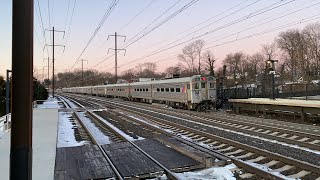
48,66
116,52
43,75
82,60
53,45
8,92
22,90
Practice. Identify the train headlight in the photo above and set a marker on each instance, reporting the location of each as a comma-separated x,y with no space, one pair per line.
211,96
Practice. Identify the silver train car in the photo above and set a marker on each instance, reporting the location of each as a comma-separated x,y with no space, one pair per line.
195,92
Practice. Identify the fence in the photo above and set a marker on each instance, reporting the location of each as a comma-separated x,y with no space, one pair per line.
5,122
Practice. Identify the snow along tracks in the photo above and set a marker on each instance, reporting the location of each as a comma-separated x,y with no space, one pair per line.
251,150
112,131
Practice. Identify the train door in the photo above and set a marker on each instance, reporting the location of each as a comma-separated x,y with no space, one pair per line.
212,88
196,90
204,88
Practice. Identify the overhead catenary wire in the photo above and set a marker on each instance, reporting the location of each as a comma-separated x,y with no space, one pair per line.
304,20
42,25
130,21
102,21
193,32
254,14
155,27
261,11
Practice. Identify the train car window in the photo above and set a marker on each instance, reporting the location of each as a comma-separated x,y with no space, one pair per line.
162,89
211,85
195,85
147,89
203,85
143,89
178,90
158,89
171,89
188,86
167,89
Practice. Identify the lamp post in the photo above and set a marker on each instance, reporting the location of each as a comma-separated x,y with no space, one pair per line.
271,67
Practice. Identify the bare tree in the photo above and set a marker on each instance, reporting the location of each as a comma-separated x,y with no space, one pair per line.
209,59
188,56
198,45
128,74
291,42
256,61
311,35
270,50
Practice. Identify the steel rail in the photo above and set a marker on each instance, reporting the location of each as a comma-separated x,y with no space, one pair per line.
168,172
287,160
237,162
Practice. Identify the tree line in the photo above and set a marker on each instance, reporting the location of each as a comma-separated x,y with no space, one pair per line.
39,93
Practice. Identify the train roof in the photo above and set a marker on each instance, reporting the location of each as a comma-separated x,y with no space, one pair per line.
164,81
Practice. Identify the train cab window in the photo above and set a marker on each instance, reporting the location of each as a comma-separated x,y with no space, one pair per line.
171,89
162,89
203,85
211,85
158,89
196,86
167,89
178,90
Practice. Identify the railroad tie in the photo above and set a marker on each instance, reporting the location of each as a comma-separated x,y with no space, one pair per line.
274,133
284,168
271,163
303,139
257,159
234,152
293,137
299,174
315,141
246,175
245,155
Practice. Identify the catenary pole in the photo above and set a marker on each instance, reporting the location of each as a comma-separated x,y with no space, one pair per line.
116,53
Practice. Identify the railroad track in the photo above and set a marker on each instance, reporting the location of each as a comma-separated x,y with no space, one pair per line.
287,166
116,137
294,137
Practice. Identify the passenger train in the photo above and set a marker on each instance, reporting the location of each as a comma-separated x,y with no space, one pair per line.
196,92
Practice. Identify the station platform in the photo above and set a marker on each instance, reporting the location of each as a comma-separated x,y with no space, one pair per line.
298,106
282,102
44,145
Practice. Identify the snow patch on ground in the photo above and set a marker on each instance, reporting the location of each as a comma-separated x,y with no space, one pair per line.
66,136
216,173
49,103
265,168
126,136
71,104
96,132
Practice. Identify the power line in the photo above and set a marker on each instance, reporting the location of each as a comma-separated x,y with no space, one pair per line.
131,20
135,16
158,25
104,18
43,31
261,11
